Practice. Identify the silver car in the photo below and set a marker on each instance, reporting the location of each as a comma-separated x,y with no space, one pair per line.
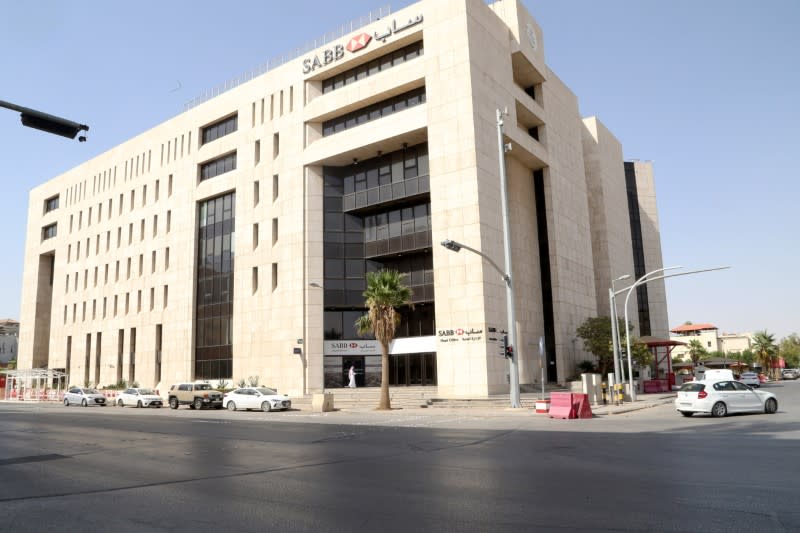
84,396
750,378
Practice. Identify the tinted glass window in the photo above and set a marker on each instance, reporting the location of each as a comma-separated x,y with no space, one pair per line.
692,387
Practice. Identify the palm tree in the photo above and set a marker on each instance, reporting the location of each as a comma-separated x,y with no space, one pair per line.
765,350
696,351
385,293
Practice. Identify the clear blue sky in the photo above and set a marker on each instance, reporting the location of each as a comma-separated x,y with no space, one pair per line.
707,90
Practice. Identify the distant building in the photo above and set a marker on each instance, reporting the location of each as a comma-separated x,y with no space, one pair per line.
9,335
710,338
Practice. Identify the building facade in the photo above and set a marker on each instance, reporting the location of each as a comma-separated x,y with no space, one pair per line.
710,338
233,240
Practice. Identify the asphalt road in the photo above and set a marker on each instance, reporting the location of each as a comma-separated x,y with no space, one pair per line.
119,470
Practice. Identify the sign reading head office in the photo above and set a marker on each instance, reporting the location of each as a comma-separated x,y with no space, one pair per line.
355,44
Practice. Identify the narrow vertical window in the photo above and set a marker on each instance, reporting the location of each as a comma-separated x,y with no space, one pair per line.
262,110
166,296
257,153
152,298
276,145
139,301
274,276
144,195
128,271
255,241
253,115
274,187
156,191
115,305
153,262
274,231
256,192
155,225
291,98
281,103
141,231
141,264
166,258
127,302
169,185
116,272
255,279
105,301
133,198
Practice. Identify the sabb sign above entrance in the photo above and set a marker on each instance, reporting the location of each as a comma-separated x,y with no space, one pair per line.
355,44
352,348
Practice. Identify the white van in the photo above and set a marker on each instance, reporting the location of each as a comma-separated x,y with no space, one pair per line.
718,374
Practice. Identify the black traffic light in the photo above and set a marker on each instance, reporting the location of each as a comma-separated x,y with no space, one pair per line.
49,123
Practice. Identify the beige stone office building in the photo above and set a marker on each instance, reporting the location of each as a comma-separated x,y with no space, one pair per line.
233,240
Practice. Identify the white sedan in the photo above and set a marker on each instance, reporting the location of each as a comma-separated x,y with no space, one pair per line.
140,398
262,398
722,397
750,378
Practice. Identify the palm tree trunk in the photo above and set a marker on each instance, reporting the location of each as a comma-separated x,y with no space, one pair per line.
384,403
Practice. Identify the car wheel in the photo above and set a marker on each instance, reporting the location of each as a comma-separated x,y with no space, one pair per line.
266,407
139,404
198,403
686,413
173,403
66,402
84,403
120,403
719,410
771,406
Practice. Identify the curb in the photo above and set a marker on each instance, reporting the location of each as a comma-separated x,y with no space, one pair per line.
638,407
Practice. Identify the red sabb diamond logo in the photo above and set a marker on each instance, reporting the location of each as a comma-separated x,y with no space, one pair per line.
459,331
358,42
353,345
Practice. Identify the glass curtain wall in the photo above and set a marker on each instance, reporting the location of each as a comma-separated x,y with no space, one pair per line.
214,311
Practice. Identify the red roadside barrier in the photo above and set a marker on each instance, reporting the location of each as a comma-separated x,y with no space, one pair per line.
561,405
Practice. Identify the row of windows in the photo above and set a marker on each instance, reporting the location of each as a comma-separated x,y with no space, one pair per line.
397,222
374,111
409,162
274,109
118,305
130,237
106,274
219,129
218,166
91,213
380,64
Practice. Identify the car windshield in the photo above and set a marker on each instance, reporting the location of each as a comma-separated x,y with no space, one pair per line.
267,391
146,391
692,387
90,391
202,386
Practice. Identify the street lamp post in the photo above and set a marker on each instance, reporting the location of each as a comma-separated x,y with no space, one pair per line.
45,122
514,383
612,300
642,281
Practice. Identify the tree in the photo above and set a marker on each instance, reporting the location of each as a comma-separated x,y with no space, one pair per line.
789,349
596,335
765,350
696,351
385,293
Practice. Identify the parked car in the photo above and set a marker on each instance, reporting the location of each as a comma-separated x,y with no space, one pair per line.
750,378
83,396
262,398
139,398
720,398
790,373
195,395
718,374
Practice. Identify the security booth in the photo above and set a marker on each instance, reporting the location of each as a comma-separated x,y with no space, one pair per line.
663,376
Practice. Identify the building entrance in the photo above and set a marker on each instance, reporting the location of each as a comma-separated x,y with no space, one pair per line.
412,369
356,361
